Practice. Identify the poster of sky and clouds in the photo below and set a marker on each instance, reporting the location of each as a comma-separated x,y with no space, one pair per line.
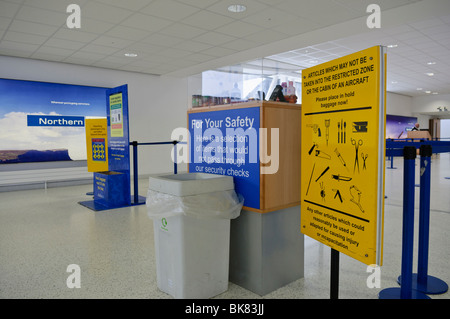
21,101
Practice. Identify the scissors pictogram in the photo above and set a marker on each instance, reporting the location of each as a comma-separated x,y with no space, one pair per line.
357,145
364,157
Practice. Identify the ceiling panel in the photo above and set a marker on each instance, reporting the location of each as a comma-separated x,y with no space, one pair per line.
65,44
124,32
24,37
146,22
162,40
94,48
53,5
239,29
134,5
104,12
207,20
43,16
214,38
270,17
221,6
47,50
182,30
169,9
112,42
168,35
8,9
74,35
31,28
202,4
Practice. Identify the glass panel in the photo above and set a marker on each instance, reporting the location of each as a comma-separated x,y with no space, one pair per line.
248,81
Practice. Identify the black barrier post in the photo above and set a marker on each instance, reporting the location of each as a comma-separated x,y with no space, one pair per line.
424,215
175,167
409,156
135,172
334,274
135,165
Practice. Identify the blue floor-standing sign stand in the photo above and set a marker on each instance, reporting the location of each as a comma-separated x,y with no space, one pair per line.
406,291
422,281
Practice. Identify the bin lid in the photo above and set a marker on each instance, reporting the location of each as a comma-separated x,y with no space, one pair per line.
187,184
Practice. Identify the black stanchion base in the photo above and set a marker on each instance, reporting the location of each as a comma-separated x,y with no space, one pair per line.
141,200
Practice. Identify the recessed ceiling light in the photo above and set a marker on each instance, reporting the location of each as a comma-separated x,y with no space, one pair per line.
394,82
130,55
427,92
431,63
313,61
429,73
419,89
392,45
237,8
435,93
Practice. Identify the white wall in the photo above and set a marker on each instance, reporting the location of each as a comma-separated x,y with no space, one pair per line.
397,104
445,128
430,103
157,105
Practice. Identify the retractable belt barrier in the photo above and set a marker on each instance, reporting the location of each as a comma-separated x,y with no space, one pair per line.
135,145
415,286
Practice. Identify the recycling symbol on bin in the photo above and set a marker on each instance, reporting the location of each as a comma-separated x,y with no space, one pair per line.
164,224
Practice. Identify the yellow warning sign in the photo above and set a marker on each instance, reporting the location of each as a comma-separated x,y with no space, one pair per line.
343,143
97,144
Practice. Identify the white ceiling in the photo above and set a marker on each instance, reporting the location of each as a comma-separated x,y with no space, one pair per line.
189,36
420,48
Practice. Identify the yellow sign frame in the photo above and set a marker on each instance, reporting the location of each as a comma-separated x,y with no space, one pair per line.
343,150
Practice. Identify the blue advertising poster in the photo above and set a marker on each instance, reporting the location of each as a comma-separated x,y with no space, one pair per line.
227,143
397,126
41,121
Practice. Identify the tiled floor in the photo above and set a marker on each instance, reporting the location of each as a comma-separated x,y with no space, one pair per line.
44,231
